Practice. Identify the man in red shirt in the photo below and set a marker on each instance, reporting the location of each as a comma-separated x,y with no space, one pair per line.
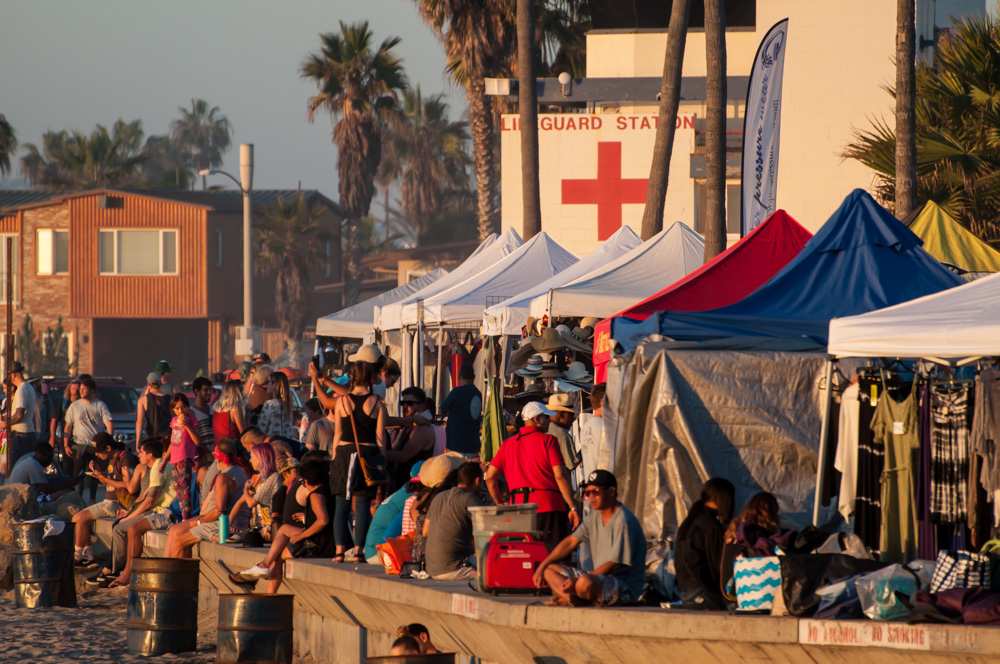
533,467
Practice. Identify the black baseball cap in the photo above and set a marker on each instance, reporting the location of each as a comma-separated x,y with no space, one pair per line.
601,479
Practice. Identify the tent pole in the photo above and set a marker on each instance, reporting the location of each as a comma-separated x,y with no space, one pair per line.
420,345
440,364
823,432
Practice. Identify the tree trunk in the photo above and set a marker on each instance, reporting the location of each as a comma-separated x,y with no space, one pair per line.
715,129
352,263
527,108
484,157
337,242
670,97
906,136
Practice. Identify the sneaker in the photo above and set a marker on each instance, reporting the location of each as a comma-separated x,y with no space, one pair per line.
258,571
96,581
85,561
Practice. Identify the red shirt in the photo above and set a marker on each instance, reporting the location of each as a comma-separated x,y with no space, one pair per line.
526,461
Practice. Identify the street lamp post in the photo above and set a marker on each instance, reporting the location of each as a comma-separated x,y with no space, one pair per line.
244,334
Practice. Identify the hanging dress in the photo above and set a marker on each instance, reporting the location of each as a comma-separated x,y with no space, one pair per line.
895,426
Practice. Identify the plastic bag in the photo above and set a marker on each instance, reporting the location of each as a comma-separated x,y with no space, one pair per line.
887,594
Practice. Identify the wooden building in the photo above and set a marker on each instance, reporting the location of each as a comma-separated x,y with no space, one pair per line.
139,276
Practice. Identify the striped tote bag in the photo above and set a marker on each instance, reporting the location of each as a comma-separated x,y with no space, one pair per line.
757,581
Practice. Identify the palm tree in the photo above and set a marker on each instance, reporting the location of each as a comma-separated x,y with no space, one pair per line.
906,146
8,145
670,97
429,150
527,108
284,254
77,160
358,85
478,38
165,165
715,129
204,134
957,131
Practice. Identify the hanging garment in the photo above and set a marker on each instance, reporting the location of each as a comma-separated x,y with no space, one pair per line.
949,438
985,436
927,539
895,426
871,457
846,461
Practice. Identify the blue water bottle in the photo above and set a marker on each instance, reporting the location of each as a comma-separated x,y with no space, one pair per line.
223,528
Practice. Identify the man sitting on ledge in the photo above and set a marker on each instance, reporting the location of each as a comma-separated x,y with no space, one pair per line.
448,527
617,549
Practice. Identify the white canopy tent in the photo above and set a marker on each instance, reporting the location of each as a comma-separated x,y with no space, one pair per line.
660,260
957,323
509,316
358,321
536,260
492,249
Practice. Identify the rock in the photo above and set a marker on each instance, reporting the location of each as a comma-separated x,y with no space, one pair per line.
17,503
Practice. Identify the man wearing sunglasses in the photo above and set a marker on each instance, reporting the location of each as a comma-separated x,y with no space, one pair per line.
617,549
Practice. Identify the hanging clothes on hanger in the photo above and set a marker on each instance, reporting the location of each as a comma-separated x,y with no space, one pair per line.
927,540
871,458
895,425
949,447
846,461
985,437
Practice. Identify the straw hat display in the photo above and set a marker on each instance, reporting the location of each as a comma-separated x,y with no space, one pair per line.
561,403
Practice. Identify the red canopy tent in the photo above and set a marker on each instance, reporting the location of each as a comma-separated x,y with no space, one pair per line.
724,280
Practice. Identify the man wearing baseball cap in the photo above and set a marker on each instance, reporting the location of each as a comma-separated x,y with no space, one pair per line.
617,550
532,464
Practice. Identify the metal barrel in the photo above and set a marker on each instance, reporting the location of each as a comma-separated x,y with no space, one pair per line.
163,606
43,567
254,628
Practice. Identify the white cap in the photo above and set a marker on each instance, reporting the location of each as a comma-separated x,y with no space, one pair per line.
369,353
533,409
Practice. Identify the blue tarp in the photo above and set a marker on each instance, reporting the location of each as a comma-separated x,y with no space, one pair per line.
862,259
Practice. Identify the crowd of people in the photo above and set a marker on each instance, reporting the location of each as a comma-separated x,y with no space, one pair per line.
236,463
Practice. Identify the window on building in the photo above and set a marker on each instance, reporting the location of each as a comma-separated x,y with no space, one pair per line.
137,252
53,251
14,261
732,208
739,14
218,247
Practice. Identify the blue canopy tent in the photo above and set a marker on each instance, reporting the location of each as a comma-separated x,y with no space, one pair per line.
862,259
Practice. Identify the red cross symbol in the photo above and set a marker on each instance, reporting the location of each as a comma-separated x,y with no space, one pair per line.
609,191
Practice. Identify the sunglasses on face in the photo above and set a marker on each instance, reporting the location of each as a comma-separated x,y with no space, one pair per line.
591,492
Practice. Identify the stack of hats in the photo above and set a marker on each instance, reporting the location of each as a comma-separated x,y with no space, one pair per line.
533,369
575,378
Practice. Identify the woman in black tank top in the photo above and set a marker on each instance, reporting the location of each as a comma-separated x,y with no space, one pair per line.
368,414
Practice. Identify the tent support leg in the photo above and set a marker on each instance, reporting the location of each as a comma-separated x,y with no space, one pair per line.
440,365
823,433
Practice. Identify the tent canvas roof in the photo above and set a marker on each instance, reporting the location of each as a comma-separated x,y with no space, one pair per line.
957,323
492,249
862,259
667,256
358,320
948,241
509,316
727,278
536,260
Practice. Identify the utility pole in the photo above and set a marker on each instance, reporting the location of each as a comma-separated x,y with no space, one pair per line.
246,185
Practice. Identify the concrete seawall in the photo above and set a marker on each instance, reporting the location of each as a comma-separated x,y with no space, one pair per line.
345,613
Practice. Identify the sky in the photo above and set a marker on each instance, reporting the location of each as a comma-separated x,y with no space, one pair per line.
72,65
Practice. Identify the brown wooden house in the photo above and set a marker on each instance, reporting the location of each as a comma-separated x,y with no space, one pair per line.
139,276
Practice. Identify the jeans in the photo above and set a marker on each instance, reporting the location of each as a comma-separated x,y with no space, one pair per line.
342,521
82,456
21,444
119,540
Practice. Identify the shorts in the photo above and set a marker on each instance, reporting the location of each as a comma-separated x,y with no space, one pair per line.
610,590
105,509
207,532
159,520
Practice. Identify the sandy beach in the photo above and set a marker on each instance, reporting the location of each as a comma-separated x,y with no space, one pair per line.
94,633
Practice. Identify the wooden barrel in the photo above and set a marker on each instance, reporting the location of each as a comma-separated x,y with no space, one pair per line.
163,606
43,567
254,628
